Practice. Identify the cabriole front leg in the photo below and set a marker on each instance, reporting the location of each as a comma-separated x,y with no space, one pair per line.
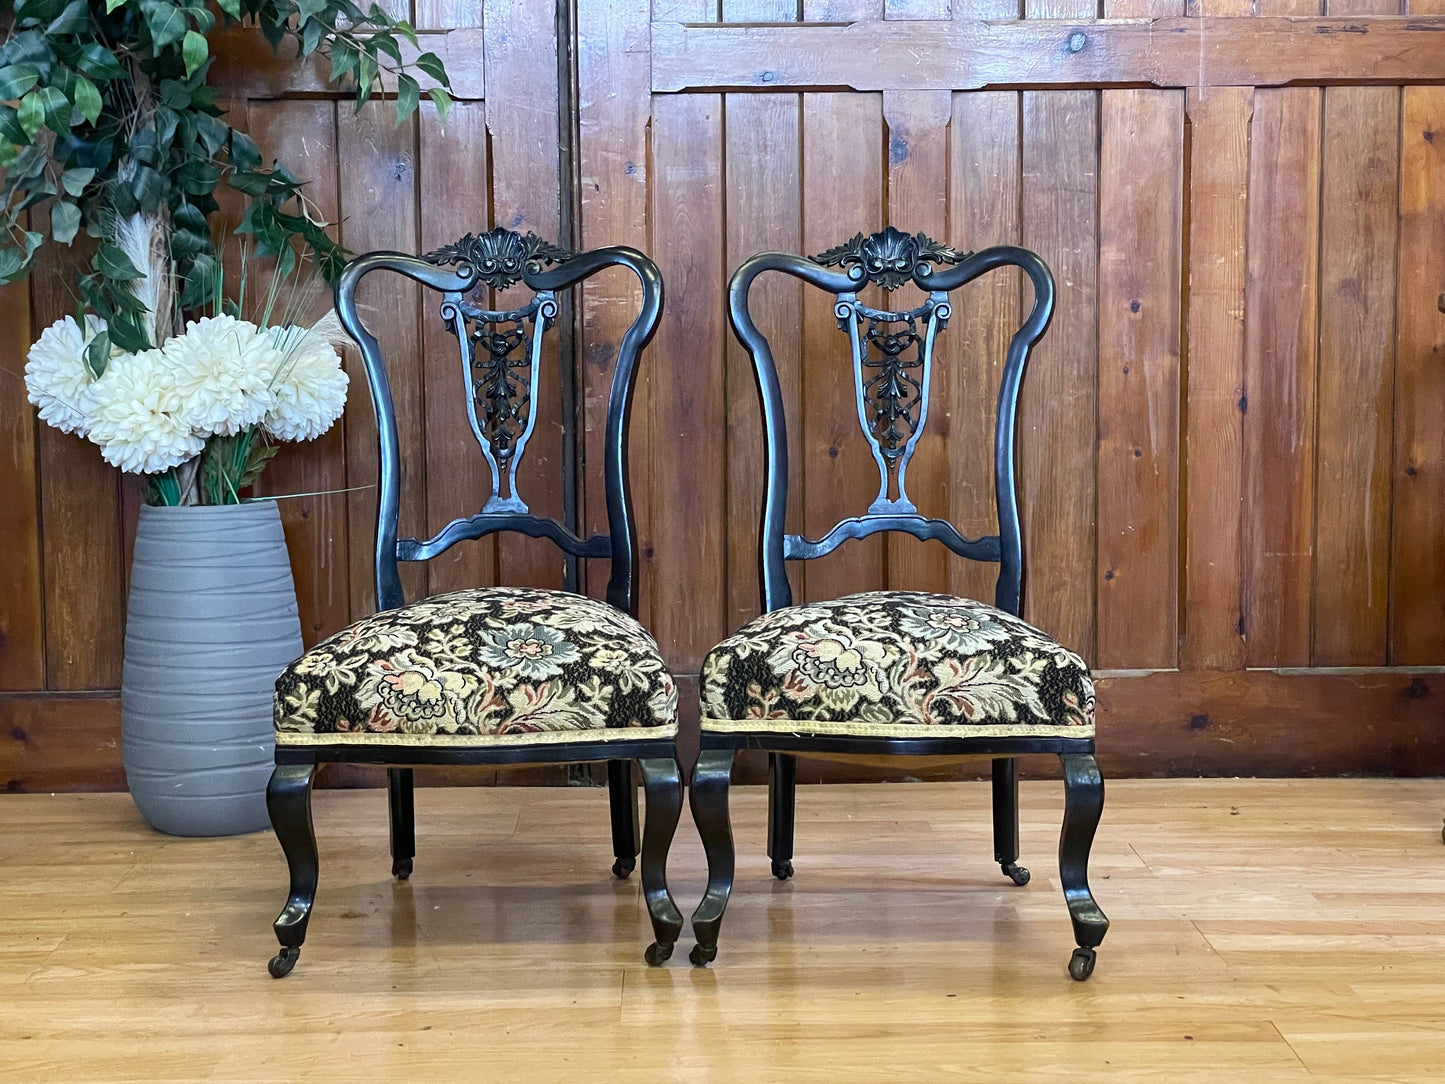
288,800
709,798
662,787
1083,806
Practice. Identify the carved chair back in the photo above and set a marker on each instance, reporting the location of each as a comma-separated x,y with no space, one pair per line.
500,353
893,355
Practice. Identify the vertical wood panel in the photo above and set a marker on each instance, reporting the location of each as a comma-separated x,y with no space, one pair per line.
1057,424
378,207
614,82
1213,633
521,66
764,213
843,179
303,135
452,160
1141,219
80,514
689,395
22,624
1359,228
1280,370
1417,620
917,130
983,211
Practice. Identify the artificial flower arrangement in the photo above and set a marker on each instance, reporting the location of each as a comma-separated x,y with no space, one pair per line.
200,413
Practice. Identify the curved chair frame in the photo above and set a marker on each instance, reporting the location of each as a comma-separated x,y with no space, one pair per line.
499,259
1084,789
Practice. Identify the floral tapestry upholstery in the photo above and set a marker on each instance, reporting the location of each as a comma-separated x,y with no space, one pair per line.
896,664
488,666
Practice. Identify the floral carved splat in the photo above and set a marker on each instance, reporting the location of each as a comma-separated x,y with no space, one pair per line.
501,349
892,351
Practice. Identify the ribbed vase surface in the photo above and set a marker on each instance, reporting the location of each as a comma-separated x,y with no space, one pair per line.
211,622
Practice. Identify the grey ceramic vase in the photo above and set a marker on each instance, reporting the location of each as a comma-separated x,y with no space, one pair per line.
211,623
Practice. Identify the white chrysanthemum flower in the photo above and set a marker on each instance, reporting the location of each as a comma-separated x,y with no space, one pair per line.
310,386
223,368
55,372
136,415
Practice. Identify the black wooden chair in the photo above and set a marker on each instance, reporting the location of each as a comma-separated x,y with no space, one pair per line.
894,673
492,675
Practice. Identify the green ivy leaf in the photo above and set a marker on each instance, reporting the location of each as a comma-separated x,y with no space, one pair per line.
97,355
194,51
343,60
98,62
114,264
64,222
16,79
111,5
384,43
166,21
44,107
12,265
31,114
74,19
443,102
433,66
87,99
231,8
75,180
407,94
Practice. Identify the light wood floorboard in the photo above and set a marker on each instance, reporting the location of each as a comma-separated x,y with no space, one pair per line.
1263,931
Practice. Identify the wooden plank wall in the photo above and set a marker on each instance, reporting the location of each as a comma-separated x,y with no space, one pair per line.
1233,436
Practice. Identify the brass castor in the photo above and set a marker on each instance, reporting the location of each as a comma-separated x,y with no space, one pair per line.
622,867
1081,964
1015,873
282,963
783,871
658,953
401,868
701,956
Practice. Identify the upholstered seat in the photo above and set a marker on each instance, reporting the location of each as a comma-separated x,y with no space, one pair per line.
494,665
896,664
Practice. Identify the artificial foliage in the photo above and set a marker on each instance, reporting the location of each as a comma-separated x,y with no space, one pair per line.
109,118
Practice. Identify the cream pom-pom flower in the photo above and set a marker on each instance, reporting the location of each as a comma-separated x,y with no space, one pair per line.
137,417
223,370
55,373
310,386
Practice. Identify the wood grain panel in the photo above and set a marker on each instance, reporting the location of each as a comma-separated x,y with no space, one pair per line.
764,213
22,603
1359,229
378,208
1140,238
1057,428
453,160
303,133
1417,586
69,743
843,179
523,122
965,54
916,125
1212,633
689,404
1280,371
80,513
614,69
984,180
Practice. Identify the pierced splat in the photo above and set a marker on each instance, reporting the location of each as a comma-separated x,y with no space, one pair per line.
892,371
501,350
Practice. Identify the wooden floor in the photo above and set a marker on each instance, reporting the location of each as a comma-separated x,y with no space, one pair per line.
1263,931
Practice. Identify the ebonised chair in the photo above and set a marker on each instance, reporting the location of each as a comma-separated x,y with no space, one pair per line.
492,675
894,673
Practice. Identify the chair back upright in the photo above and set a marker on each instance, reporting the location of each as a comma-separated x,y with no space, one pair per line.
893,354
500,352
